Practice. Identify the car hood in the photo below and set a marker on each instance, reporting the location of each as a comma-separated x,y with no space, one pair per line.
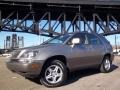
42,46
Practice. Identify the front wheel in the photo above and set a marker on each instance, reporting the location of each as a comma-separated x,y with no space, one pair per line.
106,65
55,74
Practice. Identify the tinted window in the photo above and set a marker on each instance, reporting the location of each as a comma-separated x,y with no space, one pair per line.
93,39
81,36
58,39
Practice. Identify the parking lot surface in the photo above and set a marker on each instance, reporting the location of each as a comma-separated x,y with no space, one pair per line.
80,80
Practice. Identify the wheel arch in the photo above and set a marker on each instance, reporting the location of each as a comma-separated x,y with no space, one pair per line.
107,55
61,58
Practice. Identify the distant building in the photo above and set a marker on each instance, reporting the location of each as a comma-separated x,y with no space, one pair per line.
8,42
20,42
13,42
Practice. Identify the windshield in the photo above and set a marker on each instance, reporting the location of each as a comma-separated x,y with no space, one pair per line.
58,39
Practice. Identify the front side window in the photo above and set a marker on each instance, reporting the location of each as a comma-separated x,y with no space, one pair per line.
58,39
78,35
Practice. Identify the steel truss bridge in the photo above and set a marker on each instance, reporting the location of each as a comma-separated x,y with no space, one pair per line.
55,17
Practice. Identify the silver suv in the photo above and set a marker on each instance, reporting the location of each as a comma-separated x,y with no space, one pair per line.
52,60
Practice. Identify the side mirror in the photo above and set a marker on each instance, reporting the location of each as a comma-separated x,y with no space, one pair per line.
75,41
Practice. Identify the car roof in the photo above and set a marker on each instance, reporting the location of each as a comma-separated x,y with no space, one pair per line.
83,32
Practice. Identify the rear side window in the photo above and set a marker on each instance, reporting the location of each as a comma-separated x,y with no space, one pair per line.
94,40
105,40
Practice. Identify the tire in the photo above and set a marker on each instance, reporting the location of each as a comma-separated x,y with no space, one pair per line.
54,75
106,65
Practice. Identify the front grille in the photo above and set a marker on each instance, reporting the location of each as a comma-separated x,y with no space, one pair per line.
15,53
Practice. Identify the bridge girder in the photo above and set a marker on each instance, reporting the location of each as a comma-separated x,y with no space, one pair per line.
55,20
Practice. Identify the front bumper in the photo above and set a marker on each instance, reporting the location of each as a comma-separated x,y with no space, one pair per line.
30,70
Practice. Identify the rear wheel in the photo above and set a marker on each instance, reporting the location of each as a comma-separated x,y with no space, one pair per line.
106,65
55,74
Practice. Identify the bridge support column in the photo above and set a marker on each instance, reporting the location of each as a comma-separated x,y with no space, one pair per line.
49,20
0,20
63,24
79,22
94,24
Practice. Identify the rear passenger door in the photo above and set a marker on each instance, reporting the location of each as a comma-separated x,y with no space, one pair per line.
95,49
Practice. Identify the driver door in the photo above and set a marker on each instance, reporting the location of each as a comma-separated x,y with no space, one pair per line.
78,52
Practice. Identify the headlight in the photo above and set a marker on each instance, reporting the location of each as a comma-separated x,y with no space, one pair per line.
27,56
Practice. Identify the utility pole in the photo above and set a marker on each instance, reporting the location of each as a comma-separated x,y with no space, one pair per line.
116,43
4,44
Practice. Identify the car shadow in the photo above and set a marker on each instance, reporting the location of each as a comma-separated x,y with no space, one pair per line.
75,76
114,67
35,80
